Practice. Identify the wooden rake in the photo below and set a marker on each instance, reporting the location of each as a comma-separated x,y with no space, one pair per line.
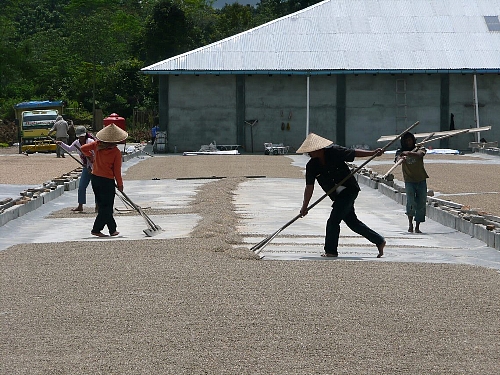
258,247
153,229
420,144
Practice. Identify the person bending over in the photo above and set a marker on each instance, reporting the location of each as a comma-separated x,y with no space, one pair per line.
328,166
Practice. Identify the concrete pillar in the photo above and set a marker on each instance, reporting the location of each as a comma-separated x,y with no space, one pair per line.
240,109
163,105
444,107
341,110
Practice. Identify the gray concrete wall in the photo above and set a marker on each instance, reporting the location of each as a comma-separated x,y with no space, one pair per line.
203,109
281,102
461,105
370,110
423,99
322,108
275,100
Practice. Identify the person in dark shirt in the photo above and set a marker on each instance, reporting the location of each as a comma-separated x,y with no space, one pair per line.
328,166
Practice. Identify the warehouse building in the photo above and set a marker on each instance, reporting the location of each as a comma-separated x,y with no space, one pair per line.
348,70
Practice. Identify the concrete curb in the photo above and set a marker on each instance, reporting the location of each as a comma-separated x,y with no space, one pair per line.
17,210
451,217
489,151
58,187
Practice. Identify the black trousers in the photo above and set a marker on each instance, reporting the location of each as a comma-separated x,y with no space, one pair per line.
343,210
104,191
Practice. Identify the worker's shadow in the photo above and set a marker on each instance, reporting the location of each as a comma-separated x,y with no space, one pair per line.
317,257
105,238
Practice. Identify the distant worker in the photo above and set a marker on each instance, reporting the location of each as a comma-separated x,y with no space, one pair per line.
71,132
328,166
154,131
61,128
106,169
415,178
83,137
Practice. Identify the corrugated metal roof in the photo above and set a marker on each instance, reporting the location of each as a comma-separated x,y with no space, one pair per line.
352,36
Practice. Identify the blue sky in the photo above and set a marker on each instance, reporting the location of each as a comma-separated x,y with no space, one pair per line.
220,3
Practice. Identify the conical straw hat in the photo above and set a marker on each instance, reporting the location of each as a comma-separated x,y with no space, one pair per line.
111,134
313,142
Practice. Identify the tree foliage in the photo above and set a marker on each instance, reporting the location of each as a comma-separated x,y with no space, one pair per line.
90,52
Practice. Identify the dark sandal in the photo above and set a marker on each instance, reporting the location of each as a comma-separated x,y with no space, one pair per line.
98,234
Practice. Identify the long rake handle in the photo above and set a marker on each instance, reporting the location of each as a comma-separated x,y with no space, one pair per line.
148,220
400,161
258,247
66,152
422,142
443,136
125,202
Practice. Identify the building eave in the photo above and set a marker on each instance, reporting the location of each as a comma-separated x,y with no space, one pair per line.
321,72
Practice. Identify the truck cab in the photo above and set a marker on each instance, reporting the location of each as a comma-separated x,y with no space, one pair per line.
35,126
36,118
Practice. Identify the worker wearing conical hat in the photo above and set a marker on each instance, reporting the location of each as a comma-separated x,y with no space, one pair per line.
106,169
328,166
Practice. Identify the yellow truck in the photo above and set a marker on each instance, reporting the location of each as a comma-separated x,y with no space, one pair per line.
35,119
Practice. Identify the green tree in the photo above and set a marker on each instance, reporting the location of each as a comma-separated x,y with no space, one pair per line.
100,39
124,87
166,32
233,19
91,51
268,10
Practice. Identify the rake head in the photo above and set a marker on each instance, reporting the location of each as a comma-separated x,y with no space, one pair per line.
153,231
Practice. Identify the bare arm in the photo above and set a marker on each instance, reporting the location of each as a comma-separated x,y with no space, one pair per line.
363,153
67,148
308,192
416,154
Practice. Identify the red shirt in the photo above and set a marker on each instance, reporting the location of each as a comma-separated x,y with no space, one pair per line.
107,162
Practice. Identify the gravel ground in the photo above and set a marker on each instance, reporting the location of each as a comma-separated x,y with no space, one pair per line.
35,169
200,306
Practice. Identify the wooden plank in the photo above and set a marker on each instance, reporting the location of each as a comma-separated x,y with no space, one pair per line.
386,138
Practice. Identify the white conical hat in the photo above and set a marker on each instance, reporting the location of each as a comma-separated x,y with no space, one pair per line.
313,142
111,134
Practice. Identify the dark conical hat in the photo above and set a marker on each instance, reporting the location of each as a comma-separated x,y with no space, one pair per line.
111,134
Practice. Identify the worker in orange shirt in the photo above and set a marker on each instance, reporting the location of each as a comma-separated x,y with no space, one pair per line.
106,169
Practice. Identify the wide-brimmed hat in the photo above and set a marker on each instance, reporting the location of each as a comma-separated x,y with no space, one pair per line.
80,131
112,134
313,142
